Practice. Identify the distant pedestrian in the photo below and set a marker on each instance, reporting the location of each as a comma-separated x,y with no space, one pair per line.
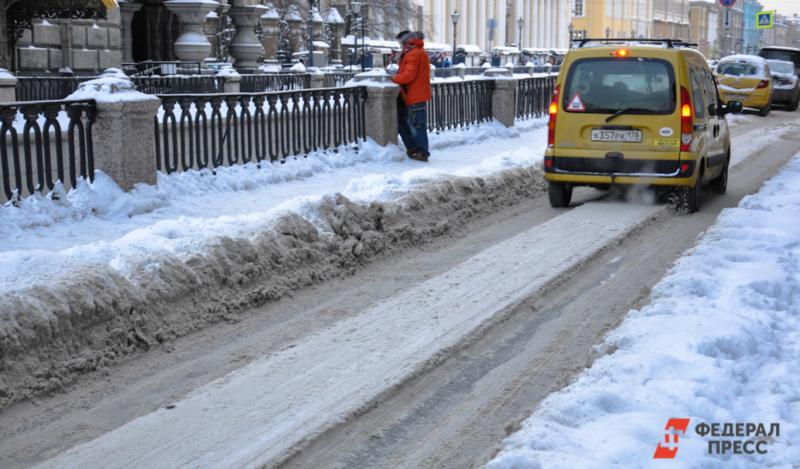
447,63
414,78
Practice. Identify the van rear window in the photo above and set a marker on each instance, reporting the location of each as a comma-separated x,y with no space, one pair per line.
607,85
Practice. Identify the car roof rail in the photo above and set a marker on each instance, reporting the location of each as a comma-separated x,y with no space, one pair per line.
669,43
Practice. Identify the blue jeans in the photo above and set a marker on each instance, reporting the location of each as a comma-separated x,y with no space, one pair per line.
412,123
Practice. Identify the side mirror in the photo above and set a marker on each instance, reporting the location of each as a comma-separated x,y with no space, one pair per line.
733,107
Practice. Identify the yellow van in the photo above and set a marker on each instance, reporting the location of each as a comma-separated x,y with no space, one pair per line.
636,112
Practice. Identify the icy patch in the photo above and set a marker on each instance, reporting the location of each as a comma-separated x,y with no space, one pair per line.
719,342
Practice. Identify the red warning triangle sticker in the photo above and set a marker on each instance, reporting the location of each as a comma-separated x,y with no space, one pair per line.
576,104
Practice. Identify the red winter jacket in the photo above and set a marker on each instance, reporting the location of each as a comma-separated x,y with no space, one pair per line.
414,76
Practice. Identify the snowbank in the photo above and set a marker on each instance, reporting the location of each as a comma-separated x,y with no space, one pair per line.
101,273
719,342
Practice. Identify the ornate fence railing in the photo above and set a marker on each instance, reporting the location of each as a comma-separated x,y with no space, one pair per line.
460,104
274,82
44,142
533,96
208,131
337,79
455,71
154,67
179,84
47,88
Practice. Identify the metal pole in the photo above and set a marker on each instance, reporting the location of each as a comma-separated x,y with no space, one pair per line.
310,33
454,40
363,44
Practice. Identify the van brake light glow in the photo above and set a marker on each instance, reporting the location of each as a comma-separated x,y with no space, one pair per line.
687,123
551,125
621,52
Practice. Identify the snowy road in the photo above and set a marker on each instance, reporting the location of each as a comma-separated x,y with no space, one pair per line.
425,413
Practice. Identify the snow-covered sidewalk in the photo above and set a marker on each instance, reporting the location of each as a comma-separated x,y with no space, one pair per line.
100,224
718,344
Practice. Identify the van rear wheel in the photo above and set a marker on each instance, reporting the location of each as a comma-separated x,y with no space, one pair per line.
720,184
691,196
764,111
559,193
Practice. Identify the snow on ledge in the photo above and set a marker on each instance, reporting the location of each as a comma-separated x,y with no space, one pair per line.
112,86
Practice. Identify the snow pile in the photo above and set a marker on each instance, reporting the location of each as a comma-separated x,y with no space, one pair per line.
298,67
227,71
95,274
719,343
110,87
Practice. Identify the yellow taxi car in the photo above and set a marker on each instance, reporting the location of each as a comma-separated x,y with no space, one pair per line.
745,78
636,113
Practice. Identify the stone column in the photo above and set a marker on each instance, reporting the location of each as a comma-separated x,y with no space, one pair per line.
8,86
124,142
245,46
232,80
380,108
317,80
127,9
269,32
504,97
192,45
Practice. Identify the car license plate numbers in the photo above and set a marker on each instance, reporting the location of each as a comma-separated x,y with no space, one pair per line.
608,135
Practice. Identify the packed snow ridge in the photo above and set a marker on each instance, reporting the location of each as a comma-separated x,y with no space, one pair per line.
719,343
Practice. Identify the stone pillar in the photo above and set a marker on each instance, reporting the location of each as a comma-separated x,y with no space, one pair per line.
380,108
504,97
232,80
127,9
8,86
317,80
124,142
192,45
269,32
245,46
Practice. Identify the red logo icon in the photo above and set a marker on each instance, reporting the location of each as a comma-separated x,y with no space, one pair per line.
672,431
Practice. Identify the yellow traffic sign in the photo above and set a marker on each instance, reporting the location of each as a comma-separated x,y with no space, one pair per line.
765,19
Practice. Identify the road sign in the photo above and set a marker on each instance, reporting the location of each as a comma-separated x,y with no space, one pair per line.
765,19
727,3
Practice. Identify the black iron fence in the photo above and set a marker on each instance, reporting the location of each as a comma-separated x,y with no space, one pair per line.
460,104
533,96
179,84
44,142
208,131
47,88
337,78
154,67
456,71
274,82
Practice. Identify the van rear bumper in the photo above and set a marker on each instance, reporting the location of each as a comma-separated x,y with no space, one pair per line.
592,171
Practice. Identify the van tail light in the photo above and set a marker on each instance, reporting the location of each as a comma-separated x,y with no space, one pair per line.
763,84
687,123
551,125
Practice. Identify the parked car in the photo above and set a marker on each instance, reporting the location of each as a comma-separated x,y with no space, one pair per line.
632,114
746,78
785,83
791,54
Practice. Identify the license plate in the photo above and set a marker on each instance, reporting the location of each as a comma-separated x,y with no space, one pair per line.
737,97
607,135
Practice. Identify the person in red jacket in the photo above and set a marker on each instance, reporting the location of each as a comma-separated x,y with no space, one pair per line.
414,78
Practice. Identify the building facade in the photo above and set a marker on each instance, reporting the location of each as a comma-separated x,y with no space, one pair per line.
671,19
612,18
545,23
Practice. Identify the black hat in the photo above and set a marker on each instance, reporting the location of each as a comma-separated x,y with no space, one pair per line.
401,34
